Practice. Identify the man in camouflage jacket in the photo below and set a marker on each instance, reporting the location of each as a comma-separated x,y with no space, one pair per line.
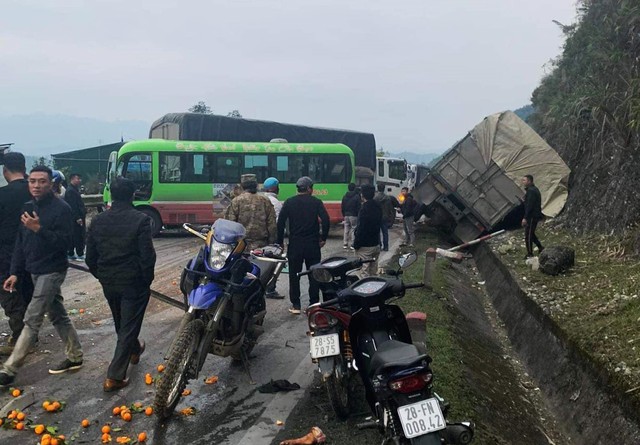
255,212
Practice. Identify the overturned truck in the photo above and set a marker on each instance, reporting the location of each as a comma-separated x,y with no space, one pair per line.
475,186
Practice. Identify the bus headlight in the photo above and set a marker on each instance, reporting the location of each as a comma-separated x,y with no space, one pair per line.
218,254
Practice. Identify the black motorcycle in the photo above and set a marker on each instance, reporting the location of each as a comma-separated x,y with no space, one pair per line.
330,345
396,375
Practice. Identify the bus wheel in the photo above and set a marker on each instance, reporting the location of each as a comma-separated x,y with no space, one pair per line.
156,222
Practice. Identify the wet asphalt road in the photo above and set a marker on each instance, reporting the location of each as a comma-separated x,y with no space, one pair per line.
231,411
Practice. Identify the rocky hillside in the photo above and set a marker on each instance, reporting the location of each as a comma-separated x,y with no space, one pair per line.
588,108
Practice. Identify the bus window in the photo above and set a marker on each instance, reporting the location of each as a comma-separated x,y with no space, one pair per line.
227,168
186,168
380,167
257,165
137,167
398,170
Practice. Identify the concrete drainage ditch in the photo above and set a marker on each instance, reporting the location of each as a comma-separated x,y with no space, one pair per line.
579,394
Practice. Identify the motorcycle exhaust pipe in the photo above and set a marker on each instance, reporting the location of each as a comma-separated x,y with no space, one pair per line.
458,433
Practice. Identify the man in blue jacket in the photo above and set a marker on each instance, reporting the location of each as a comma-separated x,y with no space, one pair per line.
41,249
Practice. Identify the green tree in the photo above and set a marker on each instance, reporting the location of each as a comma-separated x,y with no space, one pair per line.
201,107
42,161
234,113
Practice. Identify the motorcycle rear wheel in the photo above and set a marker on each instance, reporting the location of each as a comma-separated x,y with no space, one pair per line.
339,392
174,379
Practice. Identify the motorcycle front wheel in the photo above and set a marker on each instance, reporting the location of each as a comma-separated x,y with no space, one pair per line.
174,378
339,391
427,439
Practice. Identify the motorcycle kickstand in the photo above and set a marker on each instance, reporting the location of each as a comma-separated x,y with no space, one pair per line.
245,363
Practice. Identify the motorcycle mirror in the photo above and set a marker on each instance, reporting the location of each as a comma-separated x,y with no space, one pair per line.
407,259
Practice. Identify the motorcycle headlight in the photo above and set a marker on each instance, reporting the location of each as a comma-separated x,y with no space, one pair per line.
218,254
322,275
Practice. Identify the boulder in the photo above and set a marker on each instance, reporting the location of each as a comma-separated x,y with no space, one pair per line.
556,259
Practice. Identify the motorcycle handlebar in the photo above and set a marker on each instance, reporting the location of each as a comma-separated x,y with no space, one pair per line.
413,286
330,302
302,274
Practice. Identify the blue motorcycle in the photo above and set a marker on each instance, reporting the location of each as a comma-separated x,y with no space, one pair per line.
224,291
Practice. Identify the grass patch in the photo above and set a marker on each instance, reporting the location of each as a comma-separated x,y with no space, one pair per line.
596,303
441,339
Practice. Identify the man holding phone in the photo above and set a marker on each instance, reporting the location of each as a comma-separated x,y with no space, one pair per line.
12,198
41,250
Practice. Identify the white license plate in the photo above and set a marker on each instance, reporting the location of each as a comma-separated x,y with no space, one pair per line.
421,418
325,345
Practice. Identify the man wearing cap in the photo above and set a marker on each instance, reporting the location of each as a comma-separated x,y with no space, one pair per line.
305,240
255,212
12,198
271,188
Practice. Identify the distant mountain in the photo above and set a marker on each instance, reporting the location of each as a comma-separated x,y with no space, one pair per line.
415,158
44,134
524,112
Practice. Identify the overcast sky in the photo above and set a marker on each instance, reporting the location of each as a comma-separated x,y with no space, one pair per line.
416,73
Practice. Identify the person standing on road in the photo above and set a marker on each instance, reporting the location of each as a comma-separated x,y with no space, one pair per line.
255,212
350,207
12,198
532,214
74,199
367,236
408,209
305,240
41,249
388,214
271,188
121,256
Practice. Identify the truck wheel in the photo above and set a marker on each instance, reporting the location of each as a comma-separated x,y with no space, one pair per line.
156,222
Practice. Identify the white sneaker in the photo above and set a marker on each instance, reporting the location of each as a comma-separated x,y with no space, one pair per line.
295,311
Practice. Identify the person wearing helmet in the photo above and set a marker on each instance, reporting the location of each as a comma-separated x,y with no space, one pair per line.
58,184
270,188
302,212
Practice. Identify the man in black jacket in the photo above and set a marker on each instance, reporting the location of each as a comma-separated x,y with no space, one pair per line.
350,207
121,256
41,250
408,209
305,240
367,237
74,199
532,214
12,198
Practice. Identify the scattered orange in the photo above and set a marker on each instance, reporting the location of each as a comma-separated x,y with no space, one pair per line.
142,437
186,392
39,429
45,404
211,380
116,411
160,368
106,429
12,415
85,423
137,405
55,441
81,311
126,416
16,392
148,410
20,416
106,438
50,408
20,426
123,439
45,441
1,421
148,379
46,437
61,437
56,405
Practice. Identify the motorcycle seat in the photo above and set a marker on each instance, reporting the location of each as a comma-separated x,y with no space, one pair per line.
393,354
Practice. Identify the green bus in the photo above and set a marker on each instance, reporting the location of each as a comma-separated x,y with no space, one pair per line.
194,181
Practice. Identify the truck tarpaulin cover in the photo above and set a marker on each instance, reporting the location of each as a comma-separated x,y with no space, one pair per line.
518,150
210,127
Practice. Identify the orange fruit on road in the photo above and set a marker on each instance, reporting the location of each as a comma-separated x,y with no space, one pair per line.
211,380
186,392
1,421
20,426
55,441
12,415
85,423
160,368
106,429
45,441
116,411
126,416
142,437
148,410
20,416
106,438
16,392
39,429
148,379
61,437
56,405
81,311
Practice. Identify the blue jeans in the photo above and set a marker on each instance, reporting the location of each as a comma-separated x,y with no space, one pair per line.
46,300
